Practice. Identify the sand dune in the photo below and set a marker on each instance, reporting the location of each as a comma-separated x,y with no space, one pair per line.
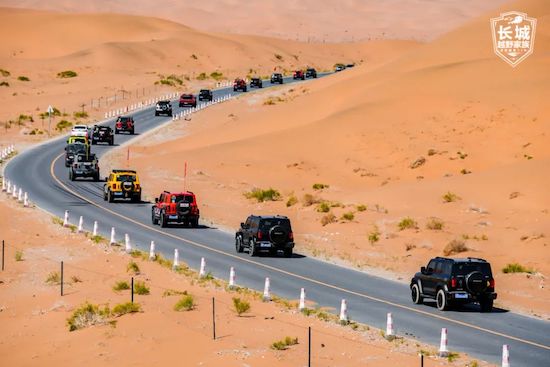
478,123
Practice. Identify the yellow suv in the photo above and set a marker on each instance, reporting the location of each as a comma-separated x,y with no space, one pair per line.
122,184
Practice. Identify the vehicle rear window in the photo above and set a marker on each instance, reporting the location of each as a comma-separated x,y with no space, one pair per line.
182,198
129,178
466,268
125,119
187,96
266,224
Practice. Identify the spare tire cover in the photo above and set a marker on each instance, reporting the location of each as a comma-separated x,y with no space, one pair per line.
475,282
278,234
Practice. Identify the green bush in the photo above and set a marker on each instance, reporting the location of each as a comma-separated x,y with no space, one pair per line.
323,207
361,208
4,73
309,200
63,124
455,247
202,76
407,223
450,197
291,201
132,267
284,344
374,236
141,288
53,278
349,216
23,78
18,255
327,219
216,75
67,74
87,315
186,303
124,308
516,268
435,224
121,286
320,186
80,115
263,195
240,306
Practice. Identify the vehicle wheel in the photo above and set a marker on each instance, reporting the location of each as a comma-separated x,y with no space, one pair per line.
110,196
239,244
441,300
96,177
288,252
132,132
156,114
244,90
94,142
252,249
486,305
111,142
163,222
71,175
415,294
137,198
154,220
194,223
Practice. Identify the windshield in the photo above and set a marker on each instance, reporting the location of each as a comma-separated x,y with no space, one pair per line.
267,224
188,96
74,148
205,91
466,268
85,158
129,178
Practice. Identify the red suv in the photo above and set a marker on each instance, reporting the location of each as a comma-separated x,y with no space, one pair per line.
124,123
299,74
175,207
239,84
188,100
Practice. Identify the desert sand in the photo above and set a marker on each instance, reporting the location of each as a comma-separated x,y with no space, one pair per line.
34,315
475,127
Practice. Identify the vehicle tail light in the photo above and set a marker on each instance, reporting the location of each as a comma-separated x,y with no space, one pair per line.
492,283
453,282
291,235
259,235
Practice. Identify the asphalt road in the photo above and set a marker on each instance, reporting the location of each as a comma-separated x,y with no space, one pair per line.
41,172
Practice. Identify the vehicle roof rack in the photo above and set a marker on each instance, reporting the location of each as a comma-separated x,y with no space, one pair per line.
124,170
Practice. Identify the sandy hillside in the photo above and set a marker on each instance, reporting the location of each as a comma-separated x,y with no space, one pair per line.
122,59
315,20
476,128
34,315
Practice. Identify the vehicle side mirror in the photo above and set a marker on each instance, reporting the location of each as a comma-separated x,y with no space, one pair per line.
156,200
106,179
242,225
423,270
65,148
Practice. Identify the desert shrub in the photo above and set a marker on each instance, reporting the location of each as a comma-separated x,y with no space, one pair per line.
406,223
4,73
216,75
87,315
132,267
76,279
435,224
63,124
240,306
349,216
452,356
18,255
464,171
97,239
291,201
278,57
80,115
361,208
263,195
67,74
186,303
284,344
374,236
269,102
516,268
327,219
141,288
4,84
121,286
124,308
175,79
53,278
455,247
23,78
202,76
173,292
194,57
450,197
320,186
309,200
323,207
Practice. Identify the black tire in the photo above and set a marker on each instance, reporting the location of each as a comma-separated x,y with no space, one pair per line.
154,219
163,222
288,252
486,305
244,89
111,142
94,142
96,177
137,198
195,223
415,294
252,248
110,196
104,195
132,132
156,114
441,300
117,131
239,244
71,175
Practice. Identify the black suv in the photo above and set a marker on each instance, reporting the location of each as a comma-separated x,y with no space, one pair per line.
276,78
206,95
256,83
71,150
163,108
311,73
454,282
265,234
102,134
84,165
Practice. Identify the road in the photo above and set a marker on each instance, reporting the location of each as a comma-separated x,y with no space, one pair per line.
41,172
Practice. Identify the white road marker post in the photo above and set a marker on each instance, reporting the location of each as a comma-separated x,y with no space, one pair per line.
390,332
80,224
14,192
267,295
152,255
176,263
113,240
231,278
343,312
25,200
202,271
94,230
443,350
505,356
66,219
127,244
302,304
20,195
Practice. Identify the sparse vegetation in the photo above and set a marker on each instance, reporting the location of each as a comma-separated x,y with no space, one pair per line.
456,246
361,208
186,303
349,216
284,344
141,288
323,207
309,200
121,286
450,197
240,306
216,75
80,115
263,195
407,223
292,200
97,239
23,78
63,124
279,57
4,73
173,292
4,84
452,356
516,268
327,219
194,57
76,279
18,255
464,171
124,308
132,267
67,74
435,224
202,76
409,246
320,186
374,236
87,315
53,278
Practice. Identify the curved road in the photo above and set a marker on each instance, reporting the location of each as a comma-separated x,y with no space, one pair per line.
41,172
